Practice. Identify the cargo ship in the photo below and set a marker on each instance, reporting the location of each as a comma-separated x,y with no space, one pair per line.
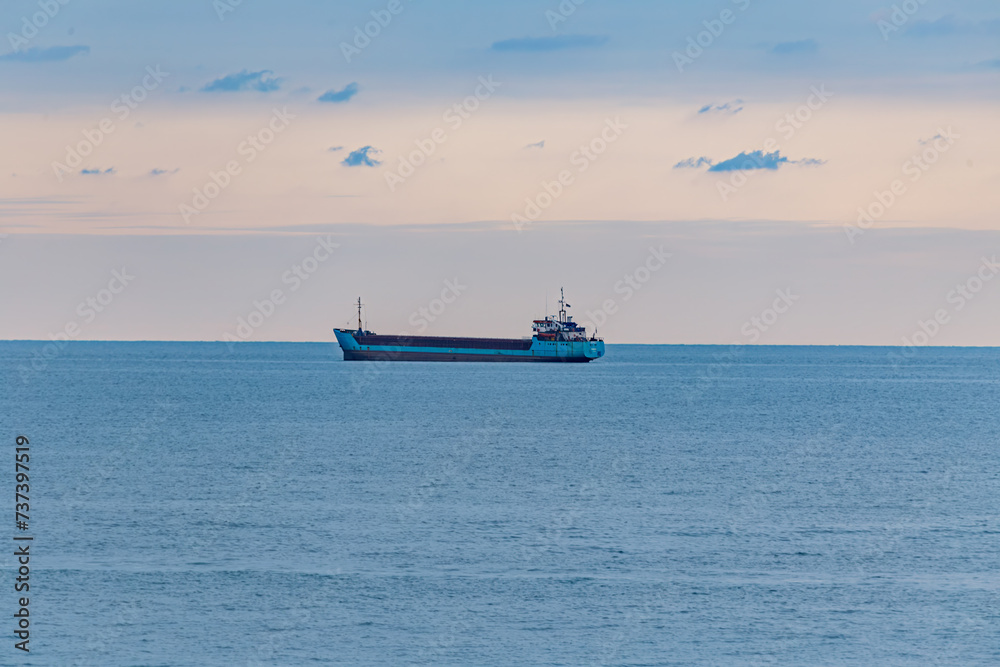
556,338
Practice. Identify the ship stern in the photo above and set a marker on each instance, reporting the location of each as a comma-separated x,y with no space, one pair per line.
594,349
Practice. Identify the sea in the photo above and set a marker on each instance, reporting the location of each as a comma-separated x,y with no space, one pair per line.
271,504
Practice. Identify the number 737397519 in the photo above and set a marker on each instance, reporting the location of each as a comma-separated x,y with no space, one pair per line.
21,491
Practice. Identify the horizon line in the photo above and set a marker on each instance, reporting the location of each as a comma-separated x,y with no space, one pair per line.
334,342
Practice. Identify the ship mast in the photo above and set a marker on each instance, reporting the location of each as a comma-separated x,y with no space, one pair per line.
562,306
360,328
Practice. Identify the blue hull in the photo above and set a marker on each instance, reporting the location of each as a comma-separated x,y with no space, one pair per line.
433,348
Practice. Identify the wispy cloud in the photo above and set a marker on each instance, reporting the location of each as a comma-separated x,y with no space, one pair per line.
245,80
98,172
950,24
363,157
349,91
694,163
946,25
753,160
801,47
161,172
334,149
760,160
47,55
733,107
538,144
989,64
554,43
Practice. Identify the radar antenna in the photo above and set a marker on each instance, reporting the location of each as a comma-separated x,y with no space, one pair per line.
562,306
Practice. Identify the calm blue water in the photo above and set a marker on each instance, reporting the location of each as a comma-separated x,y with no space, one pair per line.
665,505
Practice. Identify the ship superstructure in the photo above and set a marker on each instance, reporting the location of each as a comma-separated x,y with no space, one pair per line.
560,328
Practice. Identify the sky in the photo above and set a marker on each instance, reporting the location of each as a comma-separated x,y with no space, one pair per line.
846,152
